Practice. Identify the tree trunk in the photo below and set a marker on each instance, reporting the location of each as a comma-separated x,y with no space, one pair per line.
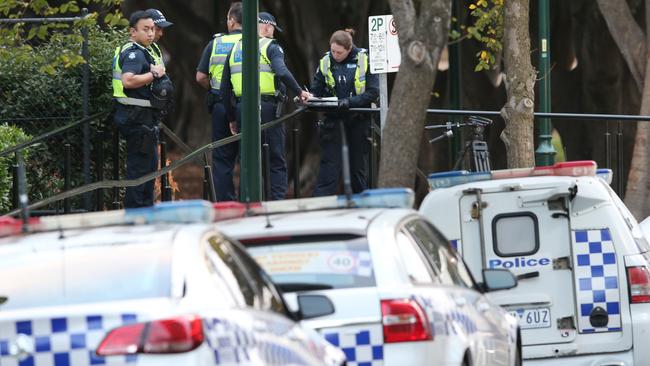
520,83
422,37
633,45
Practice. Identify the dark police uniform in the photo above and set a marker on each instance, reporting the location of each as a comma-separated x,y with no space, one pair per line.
271,63
139,125
223,157
356,125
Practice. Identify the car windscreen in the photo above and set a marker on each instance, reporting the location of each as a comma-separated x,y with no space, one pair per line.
315,262
87,274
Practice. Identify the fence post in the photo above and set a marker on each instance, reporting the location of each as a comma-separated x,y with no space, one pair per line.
163,164
85,85
371,156
66,177
296,163
99,168
116,167
619,161
15,189
266,171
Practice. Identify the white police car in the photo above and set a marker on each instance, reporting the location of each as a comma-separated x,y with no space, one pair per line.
168,292
581,259
401,294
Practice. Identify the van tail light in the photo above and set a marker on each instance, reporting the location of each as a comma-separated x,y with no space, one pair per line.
404,320
173,335
639,282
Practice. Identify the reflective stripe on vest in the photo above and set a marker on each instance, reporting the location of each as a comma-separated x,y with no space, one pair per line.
221,47
157,54
359,74
118,87
267,77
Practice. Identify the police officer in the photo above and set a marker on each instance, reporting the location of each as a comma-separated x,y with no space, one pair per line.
208,75
343,72
134,115
274,79
160,23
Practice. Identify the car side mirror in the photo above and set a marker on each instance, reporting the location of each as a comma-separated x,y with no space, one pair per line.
313,306
498,279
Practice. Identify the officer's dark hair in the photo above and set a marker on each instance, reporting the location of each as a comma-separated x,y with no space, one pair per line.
235,12
136,16
343,38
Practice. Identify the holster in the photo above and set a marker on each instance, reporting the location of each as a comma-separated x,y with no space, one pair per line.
281,101
211,99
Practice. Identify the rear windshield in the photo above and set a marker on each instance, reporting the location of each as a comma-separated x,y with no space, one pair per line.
316,262
84,275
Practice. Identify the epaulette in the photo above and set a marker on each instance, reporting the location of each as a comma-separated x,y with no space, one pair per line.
217,35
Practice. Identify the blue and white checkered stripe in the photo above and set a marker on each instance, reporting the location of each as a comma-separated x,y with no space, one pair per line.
233,344
456,244
63,341
361,348
596,276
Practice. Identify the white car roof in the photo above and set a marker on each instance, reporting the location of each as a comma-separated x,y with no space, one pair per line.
353,221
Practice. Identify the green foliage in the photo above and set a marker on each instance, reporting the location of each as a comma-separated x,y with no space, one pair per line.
9,136
41,81
487,29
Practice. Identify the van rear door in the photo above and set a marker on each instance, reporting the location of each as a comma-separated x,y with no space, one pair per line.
527,232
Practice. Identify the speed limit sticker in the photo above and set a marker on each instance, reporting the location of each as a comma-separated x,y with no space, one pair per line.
342,262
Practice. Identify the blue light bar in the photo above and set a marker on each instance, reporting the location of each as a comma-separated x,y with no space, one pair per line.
381,197
605,174
453,178
190,211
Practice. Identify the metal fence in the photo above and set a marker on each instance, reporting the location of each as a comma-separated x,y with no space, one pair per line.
38,108
112,187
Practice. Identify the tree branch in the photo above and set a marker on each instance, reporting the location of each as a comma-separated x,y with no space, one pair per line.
627,34
404,14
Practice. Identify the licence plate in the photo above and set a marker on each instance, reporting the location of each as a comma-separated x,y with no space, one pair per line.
532,318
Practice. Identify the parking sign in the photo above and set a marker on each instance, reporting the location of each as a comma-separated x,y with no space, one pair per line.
383,44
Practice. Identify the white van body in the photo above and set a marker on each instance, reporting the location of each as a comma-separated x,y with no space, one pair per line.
573,245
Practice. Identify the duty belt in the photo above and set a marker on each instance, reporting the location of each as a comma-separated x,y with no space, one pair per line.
134,101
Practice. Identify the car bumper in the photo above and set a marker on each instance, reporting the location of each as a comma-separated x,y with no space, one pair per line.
609,359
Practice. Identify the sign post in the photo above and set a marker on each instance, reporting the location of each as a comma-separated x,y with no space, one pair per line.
384,55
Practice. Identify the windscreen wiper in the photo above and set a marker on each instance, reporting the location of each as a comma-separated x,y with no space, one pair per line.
303,286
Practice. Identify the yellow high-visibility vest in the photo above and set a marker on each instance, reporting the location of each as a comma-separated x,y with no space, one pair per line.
221,47
118,87
267,77
359,74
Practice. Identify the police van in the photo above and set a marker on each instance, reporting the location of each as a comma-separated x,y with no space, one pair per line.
580,257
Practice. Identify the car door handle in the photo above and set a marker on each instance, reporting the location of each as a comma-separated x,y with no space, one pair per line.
482,307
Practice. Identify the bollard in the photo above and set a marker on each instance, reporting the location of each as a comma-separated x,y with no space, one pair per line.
296,164
164,177
99,167
266,168
67,172
116,167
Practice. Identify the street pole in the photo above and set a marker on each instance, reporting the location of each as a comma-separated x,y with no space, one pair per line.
455,85
545,154
251,169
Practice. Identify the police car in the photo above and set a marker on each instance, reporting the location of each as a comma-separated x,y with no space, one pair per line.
580,256
401,295
152,286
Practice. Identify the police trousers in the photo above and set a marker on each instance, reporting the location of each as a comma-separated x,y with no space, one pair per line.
275,137
139,126
357,133
223,157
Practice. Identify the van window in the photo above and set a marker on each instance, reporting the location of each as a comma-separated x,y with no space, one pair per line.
515,234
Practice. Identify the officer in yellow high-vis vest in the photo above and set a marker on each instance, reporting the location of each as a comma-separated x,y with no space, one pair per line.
274,78
134,72
208,75
343,73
